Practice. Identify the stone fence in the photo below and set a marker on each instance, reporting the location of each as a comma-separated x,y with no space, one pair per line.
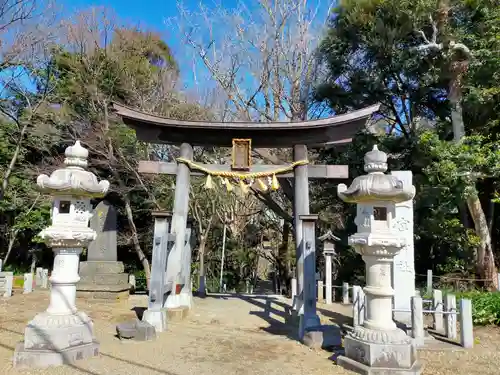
454,280
8,281
444,313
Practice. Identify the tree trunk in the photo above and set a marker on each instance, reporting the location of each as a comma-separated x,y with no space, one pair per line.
135,239
10,246
13,161
201,252
283,265
485,260
201,255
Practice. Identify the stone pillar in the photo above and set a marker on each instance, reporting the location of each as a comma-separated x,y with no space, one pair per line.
63,280
186,296
293,287
300,207
328,277
179,221
403,270
62,334
309,319
156,314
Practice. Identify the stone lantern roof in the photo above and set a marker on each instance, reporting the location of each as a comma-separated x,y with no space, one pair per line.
73,179
376,185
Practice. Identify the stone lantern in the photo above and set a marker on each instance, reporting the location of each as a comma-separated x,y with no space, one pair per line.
62,334
329,253
378,346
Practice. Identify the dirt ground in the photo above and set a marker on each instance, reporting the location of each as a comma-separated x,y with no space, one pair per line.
222,335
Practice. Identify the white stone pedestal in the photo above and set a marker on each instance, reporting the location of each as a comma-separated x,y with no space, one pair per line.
61,334
378,346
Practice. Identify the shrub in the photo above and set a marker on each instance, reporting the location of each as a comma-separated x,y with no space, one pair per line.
485,306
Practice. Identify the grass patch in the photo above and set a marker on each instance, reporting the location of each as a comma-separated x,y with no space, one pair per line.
18,282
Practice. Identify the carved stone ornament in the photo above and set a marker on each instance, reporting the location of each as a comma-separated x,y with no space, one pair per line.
375,185
74,179
58,237
395,336
46,320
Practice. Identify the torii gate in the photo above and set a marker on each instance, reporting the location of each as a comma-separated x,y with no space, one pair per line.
243,136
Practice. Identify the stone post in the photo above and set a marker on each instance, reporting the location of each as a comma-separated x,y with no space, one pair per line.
417,321
300,207
356,302
156,314
320,290
309,319
45,278
328,278
186,296
294,293
329,252
437,304
28,283
403,270
466,326
450,318
9,283
38,276
179,222
345,293
378,345
62,334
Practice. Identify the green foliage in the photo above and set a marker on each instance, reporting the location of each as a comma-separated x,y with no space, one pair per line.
485,306
460,164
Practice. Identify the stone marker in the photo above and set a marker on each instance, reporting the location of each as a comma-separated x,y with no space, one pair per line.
132,282
38,276
403,270
345,293
136,330
28,283
45,278
101,276
309,319
321,290
156,314
6,283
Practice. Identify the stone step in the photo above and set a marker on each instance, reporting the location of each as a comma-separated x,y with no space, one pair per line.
97,267
105,279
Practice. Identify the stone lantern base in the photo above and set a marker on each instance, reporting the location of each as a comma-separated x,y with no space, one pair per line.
373,352
52,340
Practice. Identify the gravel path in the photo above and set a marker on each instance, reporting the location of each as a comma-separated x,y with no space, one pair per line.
223,335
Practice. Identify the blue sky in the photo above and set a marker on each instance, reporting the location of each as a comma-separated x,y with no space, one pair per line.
149,14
